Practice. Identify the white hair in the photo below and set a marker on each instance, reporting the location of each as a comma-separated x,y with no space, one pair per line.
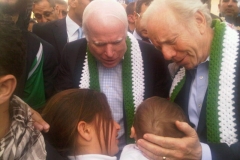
101,10
183,9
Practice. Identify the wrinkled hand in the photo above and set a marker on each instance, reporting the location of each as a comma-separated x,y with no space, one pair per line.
38,122
186,148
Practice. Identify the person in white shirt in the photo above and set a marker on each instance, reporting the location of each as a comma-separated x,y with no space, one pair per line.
155,115
82,126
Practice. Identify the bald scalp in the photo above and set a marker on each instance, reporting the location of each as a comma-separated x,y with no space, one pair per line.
103,12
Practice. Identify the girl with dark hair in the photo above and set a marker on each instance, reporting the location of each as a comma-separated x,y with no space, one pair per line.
82,126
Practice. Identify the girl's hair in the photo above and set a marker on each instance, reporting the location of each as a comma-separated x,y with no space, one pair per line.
66,109
158,115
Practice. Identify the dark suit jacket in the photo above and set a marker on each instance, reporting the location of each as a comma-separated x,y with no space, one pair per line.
54,32
157,78
219,151
49,64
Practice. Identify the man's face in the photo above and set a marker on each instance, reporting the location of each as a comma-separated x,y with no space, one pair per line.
139,28
177,42
61,10
43,12
228,8
107,42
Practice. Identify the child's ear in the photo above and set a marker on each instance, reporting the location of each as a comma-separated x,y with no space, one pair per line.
84,130
133,133
7,86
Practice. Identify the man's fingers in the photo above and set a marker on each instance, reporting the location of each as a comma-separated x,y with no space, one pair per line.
39,123
149,150
165,142
152,151
186,129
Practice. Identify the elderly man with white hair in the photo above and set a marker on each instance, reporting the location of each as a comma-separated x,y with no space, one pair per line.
114,62
207,85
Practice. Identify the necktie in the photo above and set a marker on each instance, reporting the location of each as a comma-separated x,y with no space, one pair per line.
79,33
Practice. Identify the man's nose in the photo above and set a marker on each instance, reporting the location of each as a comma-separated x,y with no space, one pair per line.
168,52
44,19
109,50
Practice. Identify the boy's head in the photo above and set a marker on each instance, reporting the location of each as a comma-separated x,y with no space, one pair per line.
157,116
12,57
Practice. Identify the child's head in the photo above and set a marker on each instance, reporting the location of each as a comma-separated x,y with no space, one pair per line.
157,115
81,123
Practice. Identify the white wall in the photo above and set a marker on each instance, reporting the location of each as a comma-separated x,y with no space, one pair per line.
214,7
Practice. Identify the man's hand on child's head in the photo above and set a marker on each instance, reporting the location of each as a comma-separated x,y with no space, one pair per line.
157,147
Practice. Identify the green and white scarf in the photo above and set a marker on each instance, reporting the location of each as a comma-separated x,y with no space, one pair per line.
132,79
221,125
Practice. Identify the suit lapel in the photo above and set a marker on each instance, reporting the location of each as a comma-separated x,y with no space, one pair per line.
60,34
202,118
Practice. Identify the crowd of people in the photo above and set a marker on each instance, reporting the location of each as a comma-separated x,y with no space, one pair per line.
154,79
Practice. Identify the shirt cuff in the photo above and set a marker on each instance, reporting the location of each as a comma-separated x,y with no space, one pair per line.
206,152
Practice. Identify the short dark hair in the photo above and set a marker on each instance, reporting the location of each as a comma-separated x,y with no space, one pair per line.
130,8
157,115
51,2
12,48
139,4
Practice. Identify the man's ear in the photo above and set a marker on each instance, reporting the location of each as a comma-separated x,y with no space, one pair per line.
7,86
200,21
84,130
133,133
135,15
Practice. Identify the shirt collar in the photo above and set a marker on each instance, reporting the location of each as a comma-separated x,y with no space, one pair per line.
72,27
206,60
136,35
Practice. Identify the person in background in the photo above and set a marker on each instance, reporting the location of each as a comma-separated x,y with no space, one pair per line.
61,31
228,11
36,83
18,138
82,126
155,115
206,86
140,32
61,8
44,11
131,18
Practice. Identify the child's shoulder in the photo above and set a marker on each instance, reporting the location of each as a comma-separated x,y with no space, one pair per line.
131,152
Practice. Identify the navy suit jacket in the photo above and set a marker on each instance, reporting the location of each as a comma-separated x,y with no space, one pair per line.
219,151
54,32
157,79
50,64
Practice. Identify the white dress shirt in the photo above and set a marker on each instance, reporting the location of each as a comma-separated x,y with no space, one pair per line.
73,30
110,80
136,35
197,94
